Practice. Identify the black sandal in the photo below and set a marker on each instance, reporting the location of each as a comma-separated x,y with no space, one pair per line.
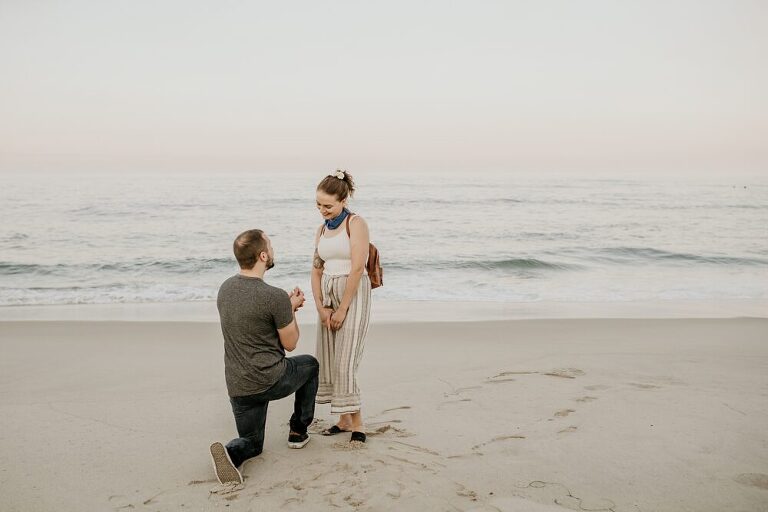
357,436
332,431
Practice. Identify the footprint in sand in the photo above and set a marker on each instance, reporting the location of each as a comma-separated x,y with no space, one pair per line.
508,376
564,413
449,402
413,464
120,502
586,399
576,503
152,499
387,427
394,409
465,455
348,446
399,408
199,482
597,387
644,386
759,480
565,373
394,489
572,428
498,380
317,426
466,493
556,492
399,432
417,448
497,439
226,489
354,501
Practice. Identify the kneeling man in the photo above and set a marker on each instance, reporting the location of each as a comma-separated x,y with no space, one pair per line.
259,324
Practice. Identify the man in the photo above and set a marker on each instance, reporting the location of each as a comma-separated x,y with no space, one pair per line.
259,324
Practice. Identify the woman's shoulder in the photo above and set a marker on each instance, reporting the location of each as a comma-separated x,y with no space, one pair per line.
357,224
318,232
356,219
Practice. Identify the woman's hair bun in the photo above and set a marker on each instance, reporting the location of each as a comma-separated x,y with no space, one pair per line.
339,184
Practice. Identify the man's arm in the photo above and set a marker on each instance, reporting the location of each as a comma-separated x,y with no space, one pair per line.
289,335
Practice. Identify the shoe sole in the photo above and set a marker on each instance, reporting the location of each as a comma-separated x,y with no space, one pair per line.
300,444
225,470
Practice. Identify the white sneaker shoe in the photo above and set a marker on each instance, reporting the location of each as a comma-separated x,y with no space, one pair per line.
298,440
225,470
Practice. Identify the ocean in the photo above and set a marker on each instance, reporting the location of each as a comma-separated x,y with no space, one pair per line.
96,239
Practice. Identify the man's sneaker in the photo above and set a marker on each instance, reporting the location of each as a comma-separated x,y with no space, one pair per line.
297,440
225,470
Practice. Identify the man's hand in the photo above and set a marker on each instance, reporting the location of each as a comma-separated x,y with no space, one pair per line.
297,298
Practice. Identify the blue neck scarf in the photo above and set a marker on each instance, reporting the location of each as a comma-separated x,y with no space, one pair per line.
336,222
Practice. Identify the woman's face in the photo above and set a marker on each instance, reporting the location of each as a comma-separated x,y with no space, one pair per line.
330,207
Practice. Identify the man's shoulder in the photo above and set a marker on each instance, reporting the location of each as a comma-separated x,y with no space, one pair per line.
236,285
228,283
257,287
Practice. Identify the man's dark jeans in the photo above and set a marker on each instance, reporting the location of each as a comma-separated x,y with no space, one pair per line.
250,411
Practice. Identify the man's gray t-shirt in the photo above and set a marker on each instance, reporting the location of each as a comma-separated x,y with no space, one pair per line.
251,312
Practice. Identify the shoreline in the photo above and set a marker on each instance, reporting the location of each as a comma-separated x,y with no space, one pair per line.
404,311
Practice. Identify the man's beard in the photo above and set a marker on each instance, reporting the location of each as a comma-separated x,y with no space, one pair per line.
270,263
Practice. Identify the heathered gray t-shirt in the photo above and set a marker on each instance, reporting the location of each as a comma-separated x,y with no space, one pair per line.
251,312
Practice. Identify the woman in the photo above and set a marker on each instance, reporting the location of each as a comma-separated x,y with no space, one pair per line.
342,292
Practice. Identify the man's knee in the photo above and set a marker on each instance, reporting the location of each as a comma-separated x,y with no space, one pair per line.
315,365
311,362
306,365
243,448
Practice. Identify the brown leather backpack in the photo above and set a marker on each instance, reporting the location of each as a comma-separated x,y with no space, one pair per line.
373,265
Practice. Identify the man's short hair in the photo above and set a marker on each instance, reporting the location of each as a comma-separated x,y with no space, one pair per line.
248,246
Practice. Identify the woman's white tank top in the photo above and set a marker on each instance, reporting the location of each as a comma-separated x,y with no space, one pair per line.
336,251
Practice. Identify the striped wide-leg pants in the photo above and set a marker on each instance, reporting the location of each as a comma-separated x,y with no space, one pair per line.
339,352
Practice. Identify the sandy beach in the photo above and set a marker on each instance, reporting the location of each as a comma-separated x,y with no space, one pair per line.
510,415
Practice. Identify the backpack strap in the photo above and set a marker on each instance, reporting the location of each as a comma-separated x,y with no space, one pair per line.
349,219
322,230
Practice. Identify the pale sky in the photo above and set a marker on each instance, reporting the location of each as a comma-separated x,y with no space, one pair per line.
671,87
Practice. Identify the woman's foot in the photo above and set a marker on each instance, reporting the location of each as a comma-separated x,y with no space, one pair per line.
336,429
357,437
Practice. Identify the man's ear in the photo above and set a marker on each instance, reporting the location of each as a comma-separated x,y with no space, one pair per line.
263,256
